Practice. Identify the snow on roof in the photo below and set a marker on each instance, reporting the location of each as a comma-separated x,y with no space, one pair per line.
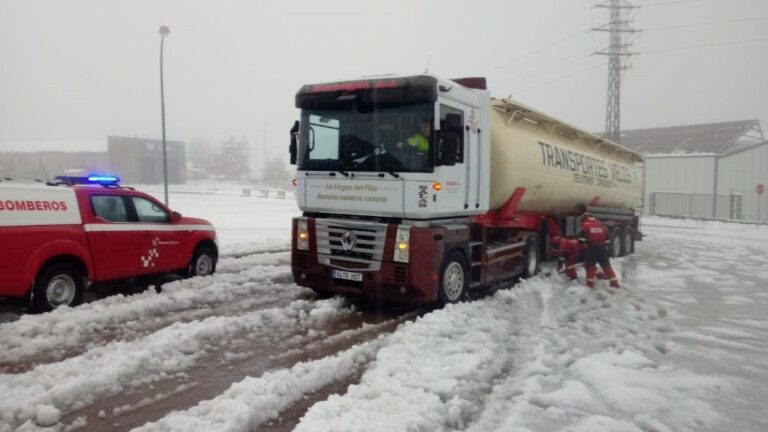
700,138
739,147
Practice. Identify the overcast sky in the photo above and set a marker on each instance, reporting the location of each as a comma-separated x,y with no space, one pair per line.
74,71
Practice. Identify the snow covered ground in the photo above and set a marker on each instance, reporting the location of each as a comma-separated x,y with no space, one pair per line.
683,346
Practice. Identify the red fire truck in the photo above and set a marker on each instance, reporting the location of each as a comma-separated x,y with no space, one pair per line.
57,239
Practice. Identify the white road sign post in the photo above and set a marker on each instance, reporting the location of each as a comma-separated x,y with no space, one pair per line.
759,189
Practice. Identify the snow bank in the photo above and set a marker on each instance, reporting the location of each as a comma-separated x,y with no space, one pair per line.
107,370
68,328
255,401
541,356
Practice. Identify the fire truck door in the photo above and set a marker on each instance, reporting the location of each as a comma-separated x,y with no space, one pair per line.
113,244
159,241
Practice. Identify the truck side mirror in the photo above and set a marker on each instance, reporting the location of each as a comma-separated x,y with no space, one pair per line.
450,140
293,148
175,217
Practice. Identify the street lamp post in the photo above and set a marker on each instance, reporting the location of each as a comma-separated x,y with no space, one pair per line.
163,33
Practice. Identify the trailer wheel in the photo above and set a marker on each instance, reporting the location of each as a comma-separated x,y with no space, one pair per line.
614,243
531,258
628,242
203,262
453,279
59,284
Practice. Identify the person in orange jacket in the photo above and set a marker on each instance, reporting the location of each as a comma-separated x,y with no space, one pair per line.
594,236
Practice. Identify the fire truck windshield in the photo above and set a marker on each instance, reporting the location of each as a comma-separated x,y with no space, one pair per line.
384,139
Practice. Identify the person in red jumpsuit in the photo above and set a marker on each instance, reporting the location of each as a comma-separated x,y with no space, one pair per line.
594,236
571,252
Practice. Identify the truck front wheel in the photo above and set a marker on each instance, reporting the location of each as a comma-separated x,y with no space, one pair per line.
453,279
203,262
57,285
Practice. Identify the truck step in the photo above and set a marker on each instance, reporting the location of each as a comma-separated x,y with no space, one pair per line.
503,247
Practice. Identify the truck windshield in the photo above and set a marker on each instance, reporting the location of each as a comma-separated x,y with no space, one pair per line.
392,138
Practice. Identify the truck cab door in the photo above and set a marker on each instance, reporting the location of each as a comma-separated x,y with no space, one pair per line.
456,195
159,242
113,243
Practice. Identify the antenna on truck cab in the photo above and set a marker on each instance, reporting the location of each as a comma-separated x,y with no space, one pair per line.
429,60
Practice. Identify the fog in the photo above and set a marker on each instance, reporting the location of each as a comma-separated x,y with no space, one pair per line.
73,72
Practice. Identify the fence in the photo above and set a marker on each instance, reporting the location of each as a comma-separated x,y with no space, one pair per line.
696,205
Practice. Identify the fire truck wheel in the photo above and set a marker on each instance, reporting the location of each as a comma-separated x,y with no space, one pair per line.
57,285
614,243
453,278
203,262
531,258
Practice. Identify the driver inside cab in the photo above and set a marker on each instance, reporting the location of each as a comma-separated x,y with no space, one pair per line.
420,140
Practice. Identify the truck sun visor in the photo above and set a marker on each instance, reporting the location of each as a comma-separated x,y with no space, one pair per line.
385,91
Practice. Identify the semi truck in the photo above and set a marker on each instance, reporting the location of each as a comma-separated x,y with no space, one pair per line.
477,200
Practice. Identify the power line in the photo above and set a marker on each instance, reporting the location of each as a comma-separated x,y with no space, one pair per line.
560,78
674,2
709,23
546,66
671,3
541,49
707,45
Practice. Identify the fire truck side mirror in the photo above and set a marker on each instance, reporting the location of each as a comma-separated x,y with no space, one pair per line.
294,142
175,217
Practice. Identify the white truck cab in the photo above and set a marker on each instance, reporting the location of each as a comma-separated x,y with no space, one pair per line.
379,172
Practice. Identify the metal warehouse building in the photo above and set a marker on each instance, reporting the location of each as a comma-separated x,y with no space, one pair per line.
140,160
707,170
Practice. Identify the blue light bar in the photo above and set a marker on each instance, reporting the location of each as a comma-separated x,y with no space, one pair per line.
103,179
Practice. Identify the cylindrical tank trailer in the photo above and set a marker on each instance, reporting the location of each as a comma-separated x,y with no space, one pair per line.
559,166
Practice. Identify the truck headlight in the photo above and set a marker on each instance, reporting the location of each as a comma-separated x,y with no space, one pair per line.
302,235
402,244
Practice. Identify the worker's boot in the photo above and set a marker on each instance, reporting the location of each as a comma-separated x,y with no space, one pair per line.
570,269
612,277
591,276
570,272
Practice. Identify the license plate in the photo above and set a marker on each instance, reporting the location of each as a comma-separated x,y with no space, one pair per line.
347,275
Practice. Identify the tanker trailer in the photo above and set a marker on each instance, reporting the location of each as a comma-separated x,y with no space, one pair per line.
474,204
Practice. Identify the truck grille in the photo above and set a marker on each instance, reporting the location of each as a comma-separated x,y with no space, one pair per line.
367,248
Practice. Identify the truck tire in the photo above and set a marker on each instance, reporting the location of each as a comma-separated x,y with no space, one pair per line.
614,243
59,284
531,258
628,242
203,262
454,279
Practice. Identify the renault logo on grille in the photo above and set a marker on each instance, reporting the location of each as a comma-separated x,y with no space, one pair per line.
348,240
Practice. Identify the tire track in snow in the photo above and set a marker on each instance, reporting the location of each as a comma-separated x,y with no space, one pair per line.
256,357
168,354
63,333
617,332
256,251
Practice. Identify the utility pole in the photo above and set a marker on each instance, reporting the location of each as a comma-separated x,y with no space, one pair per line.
619,30
164,31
